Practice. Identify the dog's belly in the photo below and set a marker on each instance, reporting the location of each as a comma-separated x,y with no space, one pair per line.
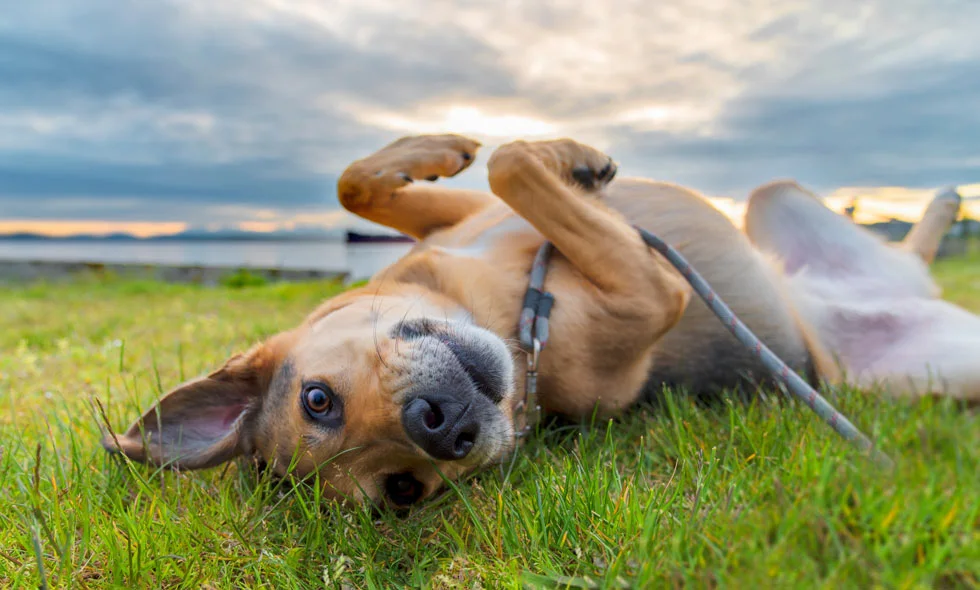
907,344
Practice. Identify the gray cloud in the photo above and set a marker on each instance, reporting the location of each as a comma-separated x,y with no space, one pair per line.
920,131
176,110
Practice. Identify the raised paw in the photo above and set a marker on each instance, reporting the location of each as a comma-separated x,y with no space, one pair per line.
573,162
420,157
945,206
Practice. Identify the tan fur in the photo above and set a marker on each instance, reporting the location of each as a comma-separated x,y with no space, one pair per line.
623,319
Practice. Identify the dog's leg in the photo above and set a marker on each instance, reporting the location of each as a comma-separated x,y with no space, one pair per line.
538,181
791,223
379,187
926,235
871,305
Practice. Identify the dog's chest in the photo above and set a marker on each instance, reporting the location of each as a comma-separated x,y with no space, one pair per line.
486,236
481,263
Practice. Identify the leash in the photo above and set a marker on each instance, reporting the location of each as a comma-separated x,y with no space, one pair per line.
533,332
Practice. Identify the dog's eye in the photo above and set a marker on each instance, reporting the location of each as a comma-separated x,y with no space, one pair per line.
317,400
403,488
320,402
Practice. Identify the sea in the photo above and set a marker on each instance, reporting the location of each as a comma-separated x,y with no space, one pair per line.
359,260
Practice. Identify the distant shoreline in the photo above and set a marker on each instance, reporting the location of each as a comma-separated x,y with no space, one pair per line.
348,236
209,260
27,271
174,238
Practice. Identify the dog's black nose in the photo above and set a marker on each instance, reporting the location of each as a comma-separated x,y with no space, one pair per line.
443,427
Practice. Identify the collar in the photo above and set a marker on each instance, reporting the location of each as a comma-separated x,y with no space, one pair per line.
533,334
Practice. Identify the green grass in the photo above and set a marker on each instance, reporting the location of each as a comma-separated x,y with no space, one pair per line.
734,496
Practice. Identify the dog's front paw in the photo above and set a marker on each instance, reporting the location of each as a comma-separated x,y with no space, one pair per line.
573,162
419,157
427,157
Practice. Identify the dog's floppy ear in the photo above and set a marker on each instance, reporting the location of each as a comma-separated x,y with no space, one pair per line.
203,422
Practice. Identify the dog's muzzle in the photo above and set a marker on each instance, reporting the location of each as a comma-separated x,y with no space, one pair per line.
459,376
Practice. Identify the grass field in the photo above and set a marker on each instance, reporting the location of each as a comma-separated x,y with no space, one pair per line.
737,496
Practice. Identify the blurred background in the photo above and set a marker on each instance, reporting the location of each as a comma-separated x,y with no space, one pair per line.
196,138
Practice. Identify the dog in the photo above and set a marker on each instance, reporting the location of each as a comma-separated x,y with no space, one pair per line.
388,389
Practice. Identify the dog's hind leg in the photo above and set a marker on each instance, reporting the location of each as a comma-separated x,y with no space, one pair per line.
787,222
380,187
925,236
872,305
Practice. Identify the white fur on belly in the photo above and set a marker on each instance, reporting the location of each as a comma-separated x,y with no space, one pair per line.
910,345
483,242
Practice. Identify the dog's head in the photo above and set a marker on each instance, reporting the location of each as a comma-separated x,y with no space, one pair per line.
380,394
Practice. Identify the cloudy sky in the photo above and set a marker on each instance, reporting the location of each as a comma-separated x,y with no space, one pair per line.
158,114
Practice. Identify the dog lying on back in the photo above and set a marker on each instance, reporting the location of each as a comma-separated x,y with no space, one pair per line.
386,388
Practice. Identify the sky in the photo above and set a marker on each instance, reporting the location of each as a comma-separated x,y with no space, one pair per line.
158,116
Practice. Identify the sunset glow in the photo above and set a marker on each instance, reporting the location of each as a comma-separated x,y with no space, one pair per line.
876,205
63,228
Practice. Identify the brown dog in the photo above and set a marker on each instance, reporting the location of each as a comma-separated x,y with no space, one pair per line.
387,388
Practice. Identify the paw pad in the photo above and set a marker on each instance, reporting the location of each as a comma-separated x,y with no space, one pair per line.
589,178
